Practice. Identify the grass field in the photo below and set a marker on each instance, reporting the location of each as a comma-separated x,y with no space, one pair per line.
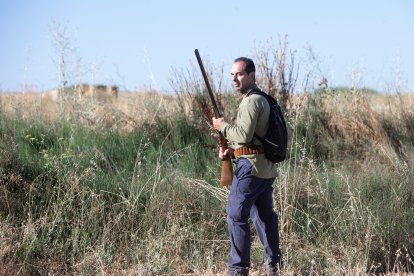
129,186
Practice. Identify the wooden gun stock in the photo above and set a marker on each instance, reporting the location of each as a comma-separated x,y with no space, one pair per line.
226,177
226,172
226,165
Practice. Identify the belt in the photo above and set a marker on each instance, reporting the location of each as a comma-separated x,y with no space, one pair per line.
247,150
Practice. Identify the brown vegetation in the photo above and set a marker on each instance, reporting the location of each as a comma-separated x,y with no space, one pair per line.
124,112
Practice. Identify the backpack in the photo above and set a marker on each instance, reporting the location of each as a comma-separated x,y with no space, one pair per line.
275,141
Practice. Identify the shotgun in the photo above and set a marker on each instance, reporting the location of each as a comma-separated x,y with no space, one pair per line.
226,165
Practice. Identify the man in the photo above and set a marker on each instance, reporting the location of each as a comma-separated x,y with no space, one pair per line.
251,191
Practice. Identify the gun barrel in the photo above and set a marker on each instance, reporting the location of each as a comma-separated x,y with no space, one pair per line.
210,91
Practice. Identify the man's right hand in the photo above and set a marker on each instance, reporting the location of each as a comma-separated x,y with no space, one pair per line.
227,153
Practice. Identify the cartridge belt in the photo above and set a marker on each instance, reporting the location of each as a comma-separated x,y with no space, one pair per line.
247,150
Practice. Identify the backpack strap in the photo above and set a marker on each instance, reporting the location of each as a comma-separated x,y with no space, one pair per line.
257,91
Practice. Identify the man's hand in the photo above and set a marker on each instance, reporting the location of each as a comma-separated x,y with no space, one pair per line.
227,153
217,122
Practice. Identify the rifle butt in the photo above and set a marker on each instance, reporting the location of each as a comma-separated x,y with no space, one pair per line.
226,172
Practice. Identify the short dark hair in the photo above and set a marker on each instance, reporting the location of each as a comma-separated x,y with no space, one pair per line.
248,62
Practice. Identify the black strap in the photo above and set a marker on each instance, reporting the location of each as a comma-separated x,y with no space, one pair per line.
261,93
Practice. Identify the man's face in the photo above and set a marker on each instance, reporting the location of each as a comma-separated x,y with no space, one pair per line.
241,80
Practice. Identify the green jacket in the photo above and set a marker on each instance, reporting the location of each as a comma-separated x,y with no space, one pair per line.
252,117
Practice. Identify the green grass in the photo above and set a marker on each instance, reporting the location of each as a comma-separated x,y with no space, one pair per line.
77,200
79,190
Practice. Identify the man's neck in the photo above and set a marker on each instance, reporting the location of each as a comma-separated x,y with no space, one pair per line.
244,91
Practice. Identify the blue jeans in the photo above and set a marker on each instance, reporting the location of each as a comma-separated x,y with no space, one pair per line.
251,196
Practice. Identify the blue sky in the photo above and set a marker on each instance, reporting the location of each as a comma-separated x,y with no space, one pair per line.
137,44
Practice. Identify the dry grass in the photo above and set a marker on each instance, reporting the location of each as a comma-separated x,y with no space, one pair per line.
354,118
134,108
126,112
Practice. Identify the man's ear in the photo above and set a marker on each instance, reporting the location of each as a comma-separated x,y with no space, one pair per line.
253,75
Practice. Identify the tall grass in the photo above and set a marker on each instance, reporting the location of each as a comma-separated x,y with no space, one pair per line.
345,193
88,200
76,200
122,188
